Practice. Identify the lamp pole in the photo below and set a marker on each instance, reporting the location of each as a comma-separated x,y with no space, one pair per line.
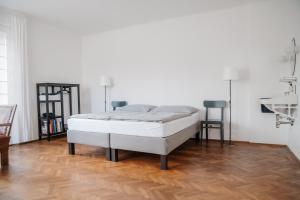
105,82
230,112
230,74
105,98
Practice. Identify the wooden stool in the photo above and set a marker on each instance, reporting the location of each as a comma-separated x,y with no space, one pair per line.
4,144
7,113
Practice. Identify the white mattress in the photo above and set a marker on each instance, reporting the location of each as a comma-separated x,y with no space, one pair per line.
148,129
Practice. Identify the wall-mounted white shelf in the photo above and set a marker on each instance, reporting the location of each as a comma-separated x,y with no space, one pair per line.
284,107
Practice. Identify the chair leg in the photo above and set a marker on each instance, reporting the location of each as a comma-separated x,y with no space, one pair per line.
206,132
222,134
4,158
201,133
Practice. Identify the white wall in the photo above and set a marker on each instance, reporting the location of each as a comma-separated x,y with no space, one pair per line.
294,135
54,55
180,61
271,28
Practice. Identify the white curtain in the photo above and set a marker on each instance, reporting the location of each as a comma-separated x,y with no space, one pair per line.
18,90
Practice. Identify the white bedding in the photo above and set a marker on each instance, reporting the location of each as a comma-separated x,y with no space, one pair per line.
148,129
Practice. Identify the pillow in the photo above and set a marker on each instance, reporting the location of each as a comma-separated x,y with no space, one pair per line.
137,108
176,109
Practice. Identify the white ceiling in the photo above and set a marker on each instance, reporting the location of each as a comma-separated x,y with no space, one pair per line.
89,16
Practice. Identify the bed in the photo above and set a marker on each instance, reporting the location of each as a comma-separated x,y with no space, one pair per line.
150,131
98,139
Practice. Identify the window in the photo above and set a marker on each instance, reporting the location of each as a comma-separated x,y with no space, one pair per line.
3,69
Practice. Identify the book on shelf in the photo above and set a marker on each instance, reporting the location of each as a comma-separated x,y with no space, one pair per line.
58,129
55,126
60,124
44,126
51,127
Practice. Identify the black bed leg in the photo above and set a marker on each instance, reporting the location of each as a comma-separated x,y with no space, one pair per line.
107,153
198,136
71,148
114,155
164,162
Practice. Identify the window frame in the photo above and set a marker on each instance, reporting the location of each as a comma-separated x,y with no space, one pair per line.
4,29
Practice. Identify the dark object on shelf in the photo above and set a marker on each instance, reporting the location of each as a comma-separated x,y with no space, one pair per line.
51,115
50,94
207,123
264,109
116,104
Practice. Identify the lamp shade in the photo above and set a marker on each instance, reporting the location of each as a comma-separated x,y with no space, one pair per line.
105,81
230,74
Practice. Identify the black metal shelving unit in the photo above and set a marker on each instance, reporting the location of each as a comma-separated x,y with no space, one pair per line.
50,89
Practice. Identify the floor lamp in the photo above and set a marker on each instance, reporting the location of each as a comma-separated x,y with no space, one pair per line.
105,82
230,74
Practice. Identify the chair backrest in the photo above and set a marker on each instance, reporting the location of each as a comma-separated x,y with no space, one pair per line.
214,104
7,113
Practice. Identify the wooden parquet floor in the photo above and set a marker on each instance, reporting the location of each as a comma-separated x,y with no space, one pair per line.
43,170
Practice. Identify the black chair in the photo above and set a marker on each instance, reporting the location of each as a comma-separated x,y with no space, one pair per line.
207,123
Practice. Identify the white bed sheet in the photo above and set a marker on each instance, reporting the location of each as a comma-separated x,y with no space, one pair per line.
148,129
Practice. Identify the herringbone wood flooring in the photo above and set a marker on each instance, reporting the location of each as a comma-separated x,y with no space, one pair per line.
43,170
